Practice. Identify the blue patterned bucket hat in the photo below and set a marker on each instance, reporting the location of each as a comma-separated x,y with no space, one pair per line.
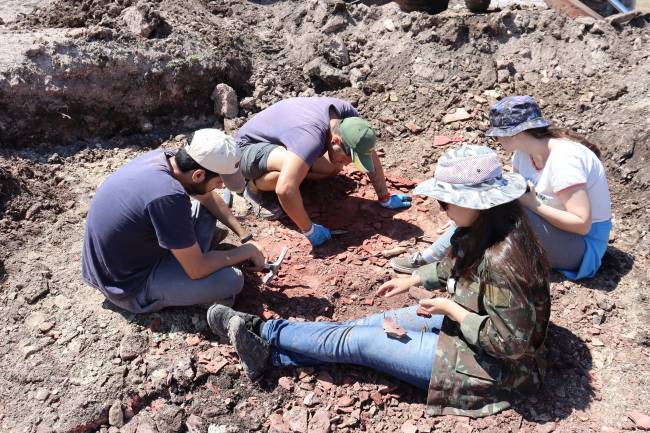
472,177
514,114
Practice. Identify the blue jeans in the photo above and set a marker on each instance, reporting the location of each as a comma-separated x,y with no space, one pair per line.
360,342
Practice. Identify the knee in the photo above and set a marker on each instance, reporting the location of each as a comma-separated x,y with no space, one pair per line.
226,283
233,282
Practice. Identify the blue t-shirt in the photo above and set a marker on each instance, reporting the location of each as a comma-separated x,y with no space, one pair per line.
137,215
299,124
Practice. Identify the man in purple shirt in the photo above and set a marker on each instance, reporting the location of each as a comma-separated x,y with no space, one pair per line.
147,245
306,138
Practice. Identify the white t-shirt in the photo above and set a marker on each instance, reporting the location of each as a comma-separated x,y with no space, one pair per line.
568,164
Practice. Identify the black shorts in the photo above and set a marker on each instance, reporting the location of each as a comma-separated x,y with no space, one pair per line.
254,159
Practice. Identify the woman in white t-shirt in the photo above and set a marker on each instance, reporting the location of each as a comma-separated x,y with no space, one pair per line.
568,204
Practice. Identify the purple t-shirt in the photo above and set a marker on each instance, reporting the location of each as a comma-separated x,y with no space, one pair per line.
299,124
137,215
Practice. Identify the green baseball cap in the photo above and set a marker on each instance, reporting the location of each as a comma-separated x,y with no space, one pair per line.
359,137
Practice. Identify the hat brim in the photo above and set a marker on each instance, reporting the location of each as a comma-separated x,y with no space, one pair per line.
363,162
481,196
514,130
235,182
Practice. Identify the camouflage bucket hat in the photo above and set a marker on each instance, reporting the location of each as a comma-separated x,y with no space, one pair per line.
513,115
472,177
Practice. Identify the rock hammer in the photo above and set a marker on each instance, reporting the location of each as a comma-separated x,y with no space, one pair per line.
273,267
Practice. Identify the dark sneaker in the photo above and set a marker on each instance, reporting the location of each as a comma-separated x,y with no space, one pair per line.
253,351
408,264
220,314
265,204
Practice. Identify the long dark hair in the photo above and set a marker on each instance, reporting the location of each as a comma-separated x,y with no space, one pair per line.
502,240
557,132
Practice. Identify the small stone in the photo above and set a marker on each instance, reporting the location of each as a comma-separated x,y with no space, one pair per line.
413,127
35,319
503,75
277,424
286,383
545,428
45,326
194,424
42,394
605,304
320,422
248,103
596,342
225,101
320,69
459,115
311,399
133,345
296,419
115,414
345,401
137,22
334,24
408,427
389,25
222,429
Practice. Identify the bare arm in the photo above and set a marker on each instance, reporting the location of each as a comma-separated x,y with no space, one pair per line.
377,177
197,264
577,216
294,170
217,207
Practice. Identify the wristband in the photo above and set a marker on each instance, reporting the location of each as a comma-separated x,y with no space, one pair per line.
385,197
310,231
246,238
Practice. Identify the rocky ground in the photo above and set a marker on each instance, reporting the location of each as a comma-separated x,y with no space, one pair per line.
86,86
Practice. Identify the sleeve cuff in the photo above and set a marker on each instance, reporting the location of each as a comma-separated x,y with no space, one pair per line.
428,275
471,327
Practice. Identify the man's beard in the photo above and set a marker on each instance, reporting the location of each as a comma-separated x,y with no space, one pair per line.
197,189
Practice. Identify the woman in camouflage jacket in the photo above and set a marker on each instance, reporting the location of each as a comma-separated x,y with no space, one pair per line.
475,351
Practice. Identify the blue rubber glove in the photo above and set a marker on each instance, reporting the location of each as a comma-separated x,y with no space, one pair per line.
397,201
319,235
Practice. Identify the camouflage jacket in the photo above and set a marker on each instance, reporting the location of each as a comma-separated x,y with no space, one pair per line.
495,355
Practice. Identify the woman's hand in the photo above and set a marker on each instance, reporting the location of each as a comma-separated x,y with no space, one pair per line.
397,286
436,305
446,307
529,199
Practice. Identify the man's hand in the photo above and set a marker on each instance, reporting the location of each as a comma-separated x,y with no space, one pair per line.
246,237
256,257
397,286
396,201
319,235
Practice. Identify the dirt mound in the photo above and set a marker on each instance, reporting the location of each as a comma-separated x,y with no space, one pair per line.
82,77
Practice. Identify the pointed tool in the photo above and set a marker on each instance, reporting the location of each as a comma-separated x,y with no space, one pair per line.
273,267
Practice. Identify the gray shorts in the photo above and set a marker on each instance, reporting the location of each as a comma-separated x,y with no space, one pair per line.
254,159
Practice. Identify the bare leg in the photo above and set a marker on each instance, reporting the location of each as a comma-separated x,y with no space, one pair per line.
323,169
274,164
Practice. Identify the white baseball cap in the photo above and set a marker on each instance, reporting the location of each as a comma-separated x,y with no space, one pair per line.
216,151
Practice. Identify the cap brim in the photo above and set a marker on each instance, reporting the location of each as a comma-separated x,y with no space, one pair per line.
235,182
485,195
514,130
362,162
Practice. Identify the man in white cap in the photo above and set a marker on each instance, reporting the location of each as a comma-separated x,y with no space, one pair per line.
147,245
